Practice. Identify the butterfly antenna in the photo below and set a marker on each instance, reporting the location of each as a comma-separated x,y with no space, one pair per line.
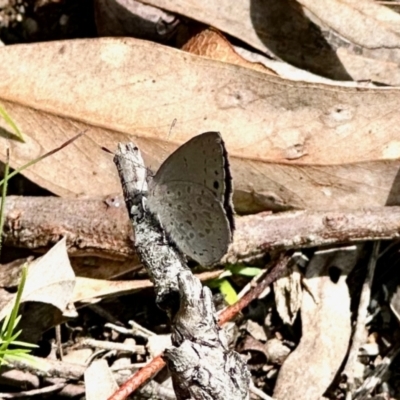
171,127
107,150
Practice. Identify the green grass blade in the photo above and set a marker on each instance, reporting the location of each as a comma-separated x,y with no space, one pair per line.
14,336
10,122
25,344
14,312
4,326
8,334
228,292
3,196
16,352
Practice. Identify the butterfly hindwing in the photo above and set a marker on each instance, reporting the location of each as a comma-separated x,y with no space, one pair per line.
198,227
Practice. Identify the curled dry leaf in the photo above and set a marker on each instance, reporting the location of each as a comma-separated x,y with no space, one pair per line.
50,280
288,294
364,35
291,144
99,381
341,40
326,328
47,293
211,43
87,289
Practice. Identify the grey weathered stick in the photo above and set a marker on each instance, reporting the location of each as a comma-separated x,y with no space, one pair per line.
162,262
201,364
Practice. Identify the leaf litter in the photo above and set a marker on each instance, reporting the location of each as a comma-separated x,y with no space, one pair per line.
293,144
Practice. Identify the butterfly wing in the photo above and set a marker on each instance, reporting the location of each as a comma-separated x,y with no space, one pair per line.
194,219
202,160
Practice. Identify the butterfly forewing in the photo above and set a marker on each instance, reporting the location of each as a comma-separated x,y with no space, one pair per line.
200,160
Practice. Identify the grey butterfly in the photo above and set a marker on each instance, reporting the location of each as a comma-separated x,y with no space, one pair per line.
191,195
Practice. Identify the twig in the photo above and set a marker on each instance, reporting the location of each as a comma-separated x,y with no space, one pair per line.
359,331
94,228
102,344
50,368
90,226
140,378
274,272
258,392
201,364
376,375
34,392
140,330
57,329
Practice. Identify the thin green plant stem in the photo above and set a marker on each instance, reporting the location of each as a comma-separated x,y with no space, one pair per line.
15,309
3,196
8,334
51,152
10,122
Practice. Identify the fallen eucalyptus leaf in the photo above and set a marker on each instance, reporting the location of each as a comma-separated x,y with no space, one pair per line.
291,144
326,327
47,293
99,381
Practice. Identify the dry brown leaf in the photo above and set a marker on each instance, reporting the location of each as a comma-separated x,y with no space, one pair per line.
288,71
364,35
210,43
89,288
365,22
133,18
50,280
280,29
236,18
325,37
326,328
291,144
288,294
47,293
99,381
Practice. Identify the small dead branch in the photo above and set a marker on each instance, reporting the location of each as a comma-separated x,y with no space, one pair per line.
93,227
34,392
102,344
50,368
273,272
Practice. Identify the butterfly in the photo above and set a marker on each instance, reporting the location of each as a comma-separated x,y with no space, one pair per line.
191,195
